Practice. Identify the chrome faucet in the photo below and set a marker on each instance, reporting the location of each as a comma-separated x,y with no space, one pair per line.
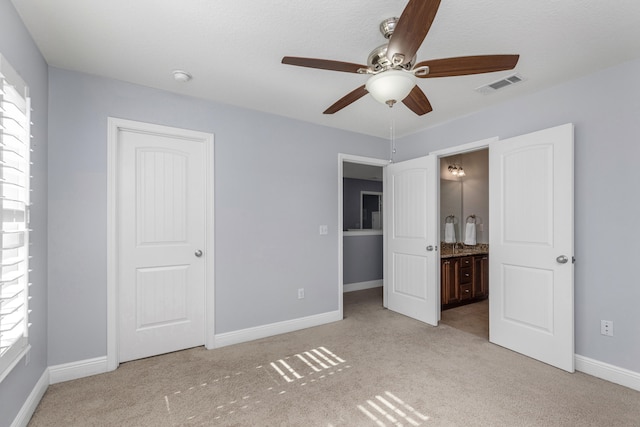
455,246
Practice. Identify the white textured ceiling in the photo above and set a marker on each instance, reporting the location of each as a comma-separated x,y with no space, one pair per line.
233,48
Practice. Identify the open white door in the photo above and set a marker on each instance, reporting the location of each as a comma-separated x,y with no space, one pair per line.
531,269
411,239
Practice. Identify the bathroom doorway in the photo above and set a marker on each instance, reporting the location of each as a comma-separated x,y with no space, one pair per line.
464,231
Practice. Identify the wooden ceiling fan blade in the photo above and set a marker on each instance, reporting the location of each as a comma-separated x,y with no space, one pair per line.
411,29
323,64
465,65
417,101
346,100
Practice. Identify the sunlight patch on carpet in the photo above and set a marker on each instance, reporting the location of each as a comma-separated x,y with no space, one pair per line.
292,368
391,409
219,398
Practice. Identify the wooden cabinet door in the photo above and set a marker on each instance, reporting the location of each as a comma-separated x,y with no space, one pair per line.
449,290
480,276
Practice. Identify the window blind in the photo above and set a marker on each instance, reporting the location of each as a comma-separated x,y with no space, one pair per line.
15,163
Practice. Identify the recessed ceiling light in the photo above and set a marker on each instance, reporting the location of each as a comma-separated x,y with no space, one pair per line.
181,76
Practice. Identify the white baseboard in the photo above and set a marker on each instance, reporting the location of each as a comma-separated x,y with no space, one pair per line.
608,372
79,369
30,405
250,334
350,287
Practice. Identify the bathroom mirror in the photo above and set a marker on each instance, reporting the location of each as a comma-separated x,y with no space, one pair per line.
451,205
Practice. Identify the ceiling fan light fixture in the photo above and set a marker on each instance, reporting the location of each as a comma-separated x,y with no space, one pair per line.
391,86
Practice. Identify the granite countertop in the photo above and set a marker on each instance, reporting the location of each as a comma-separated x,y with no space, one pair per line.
463,250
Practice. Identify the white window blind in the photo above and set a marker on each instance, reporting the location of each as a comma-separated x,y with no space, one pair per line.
15,112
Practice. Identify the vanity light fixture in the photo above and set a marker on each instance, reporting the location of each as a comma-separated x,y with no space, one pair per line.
456,170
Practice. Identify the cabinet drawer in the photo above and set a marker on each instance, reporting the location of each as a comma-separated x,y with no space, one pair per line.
466,261
465,291
466,275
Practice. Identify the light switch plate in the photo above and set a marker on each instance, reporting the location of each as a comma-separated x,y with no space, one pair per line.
324,229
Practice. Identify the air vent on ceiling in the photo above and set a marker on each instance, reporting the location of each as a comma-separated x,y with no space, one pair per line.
500,84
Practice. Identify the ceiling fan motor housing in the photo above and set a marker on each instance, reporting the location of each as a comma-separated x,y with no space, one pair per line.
378,60
388,26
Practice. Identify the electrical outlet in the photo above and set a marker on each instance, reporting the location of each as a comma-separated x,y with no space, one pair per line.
324,229
300,293
606,327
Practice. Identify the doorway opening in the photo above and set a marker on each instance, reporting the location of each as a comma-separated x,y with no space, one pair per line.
464,236
360,215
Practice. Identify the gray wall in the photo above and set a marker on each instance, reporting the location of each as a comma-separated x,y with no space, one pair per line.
362,258
605,108
286,168
18,48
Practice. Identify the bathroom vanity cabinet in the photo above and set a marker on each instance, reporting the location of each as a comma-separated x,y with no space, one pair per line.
464,279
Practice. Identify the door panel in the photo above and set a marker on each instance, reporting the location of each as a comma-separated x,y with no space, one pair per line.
531,221
528,196
527,297
161,180
161,217
412,272
410,275
161,295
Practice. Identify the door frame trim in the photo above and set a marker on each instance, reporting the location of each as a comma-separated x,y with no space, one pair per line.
350,158
114,126
465,148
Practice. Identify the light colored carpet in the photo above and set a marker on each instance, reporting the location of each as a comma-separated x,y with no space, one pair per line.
375,368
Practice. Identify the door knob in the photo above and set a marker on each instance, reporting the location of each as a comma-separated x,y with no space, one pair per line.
198,253
562,259
429,248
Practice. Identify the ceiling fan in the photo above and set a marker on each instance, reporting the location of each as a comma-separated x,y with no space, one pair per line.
393,66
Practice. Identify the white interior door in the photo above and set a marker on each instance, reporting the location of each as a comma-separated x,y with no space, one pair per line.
161,238
411,239
531,269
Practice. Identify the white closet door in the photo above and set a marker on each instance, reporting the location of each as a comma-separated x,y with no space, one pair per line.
531,244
